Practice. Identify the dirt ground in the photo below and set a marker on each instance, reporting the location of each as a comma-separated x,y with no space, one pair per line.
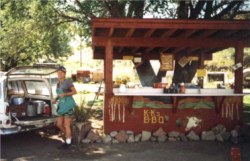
33,146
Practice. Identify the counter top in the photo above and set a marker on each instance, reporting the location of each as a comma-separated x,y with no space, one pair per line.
149,91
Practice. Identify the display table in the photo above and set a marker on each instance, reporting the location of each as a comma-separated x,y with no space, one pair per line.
218,95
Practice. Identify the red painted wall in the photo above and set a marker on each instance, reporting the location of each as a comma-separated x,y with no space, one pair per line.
150,119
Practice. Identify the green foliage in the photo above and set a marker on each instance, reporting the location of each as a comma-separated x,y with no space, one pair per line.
246,62
222,60
246,101
29,32
82,112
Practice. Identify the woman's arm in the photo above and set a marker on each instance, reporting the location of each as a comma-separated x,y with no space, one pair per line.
72,92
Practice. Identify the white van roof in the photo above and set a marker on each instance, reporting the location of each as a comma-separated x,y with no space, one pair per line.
38,70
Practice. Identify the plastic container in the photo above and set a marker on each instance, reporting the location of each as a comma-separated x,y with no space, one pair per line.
182,88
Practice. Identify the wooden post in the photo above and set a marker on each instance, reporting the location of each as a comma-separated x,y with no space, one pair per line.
201,66
238,74
108,70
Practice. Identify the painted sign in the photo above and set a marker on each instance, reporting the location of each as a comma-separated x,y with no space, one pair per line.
167,60
126,57
201,72
152,117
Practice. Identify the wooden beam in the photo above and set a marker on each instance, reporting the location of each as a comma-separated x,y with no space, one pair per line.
169,24
108,67
201,66
111,31
238,74
168,33
108,77
130,32
207,33
135,50
153,55
148,50
160,49
120,50
169,42
176,50
149,33
188,33
195,50
226,34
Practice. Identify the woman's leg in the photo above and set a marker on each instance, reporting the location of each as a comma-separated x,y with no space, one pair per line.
60,123
67,126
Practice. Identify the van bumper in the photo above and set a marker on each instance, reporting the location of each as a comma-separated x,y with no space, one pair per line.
26,126
10,130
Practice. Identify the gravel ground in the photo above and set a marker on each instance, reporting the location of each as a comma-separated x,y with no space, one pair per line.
36,147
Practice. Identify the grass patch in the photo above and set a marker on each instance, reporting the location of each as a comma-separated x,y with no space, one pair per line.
246,103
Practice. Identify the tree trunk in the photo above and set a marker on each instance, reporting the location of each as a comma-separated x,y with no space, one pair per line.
185,74
80,130
146,74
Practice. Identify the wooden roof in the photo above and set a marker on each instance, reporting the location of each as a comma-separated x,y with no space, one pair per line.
150,37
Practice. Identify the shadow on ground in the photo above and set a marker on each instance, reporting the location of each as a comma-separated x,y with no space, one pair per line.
34,146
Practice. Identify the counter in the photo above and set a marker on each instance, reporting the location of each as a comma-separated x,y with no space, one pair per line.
218,95
149,91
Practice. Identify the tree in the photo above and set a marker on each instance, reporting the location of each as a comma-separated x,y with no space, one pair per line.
30,31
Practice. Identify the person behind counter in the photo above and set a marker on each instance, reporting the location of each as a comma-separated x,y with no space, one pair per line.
65,105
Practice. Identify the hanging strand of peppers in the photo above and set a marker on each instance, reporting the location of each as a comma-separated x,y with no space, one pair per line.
117,105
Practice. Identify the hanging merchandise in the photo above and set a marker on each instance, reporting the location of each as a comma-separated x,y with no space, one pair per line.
228,111
193,58
236,66
127,57
183,61
117,107
166,60
201,72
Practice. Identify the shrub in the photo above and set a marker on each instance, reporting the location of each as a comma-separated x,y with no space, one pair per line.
82,112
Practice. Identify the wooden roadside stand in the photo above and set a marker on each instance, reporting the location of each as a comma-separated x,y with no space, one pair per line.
115,38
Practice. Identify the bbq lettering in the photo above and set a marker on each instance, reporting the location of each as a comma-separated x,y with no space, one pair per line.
152,117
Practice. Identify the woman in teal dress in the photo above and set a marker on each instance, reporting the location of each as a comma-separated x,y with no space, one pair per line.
65,105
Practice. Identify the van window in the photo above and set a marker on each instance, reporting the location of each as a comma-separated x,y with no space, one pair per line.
1,94
37,87
15,87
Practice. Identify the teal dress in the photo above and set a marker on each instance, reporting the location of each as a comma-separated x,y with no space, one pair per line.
66,105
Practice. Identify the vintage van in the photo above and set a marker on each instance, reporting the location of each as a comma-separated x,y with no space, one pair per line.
26,95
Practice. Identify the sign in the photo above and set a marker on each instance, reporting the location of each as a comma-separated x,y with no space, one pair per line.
137,59
152,117
193,58
201,72
183,61
128,58
236,66
166,60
